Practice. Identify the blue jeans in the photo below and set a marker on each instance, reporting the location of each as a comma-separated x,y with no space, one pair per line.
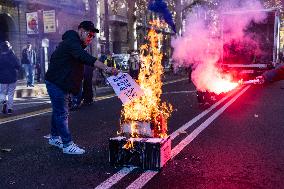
7,90
30,73
59,119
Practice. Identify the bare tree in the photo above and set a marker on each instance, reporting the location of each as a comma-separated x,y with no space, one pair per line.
132,23
94,15
106,26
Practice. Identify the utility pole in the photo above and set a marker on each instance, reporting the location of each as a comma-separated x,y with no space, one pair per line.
95,18
178,10
106,27
132,24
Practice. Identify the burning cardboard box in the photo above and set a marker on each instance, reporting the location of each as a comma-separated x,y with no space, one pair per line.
157,128
150,149
147,153
143,139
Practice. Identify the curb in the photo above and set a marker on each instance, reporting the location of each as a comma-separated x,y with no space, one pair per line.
37,91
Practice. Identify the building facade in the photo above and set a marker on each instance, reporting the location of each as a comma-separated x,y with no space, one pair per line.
40,22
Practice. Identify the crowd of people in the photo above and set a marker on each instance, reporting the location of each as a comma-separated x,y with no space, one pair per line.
68,78
11,67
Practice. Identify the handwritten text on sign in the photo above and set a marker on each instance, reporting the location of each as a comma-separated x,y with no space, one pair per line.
125,87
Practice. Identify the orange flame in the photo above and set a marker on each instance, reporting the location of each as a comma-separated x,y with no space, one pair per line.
129,144
222,84
149,107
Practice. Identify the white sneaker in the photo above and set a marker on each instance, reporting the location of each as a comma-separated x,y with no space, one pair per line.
55,142
73,149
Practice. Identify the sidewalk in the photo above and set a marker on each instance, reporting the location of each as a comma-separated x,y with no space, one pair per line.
23,91
40,90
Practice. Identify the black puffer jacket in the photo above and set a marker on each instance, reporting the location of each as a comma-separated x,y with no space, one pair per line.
276,74
66,66
9,65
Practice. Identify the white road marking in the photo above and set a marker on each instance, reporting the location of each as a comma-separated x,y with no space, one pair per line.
30,103
115,178
198,117
205,124
147,176
32,98
104,97
25,116
123,172
178,131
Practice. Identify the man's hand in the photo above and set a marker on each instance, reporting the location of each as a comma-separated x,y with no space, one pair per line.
261,79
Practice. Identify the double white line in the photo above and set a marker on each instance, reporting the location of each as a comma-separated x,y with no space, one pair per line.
148,175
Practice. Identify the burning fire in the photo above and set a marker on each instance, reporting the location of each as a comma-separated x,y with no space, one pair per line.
147,112
208,40
207,77
224,86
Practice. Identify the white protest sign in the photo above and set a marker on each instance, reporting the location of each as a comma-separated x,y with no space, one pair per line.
125,87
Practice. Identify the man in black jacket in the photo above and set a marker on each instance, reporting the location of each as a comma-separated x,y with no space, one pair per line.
64,76
9,67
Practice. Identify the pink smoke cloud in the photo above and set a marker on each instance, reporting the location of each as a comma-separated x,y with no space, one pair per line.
200,49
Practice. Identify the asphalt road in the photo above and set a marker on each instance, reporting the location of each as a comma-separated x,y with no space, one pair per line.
237,143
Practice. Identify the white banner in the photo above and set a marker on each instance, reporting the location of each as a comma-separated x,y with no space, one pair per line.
49,23
125,87
32,23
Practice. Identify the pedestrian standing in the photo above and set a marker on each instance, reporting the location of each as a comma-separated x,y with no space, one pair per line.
64,76
281,55
29,63
104,82
110,61
88,93
134,65
9,66
38,72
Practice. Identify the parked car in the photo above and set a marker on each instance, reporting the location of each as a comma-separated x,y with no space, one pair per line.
122,60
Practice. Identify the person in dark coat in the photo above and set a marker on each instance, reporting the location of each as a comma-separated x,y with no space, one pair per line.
281,56
103,58
110,61
64,76
88,93
9,67
29,63
273,75
134,65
